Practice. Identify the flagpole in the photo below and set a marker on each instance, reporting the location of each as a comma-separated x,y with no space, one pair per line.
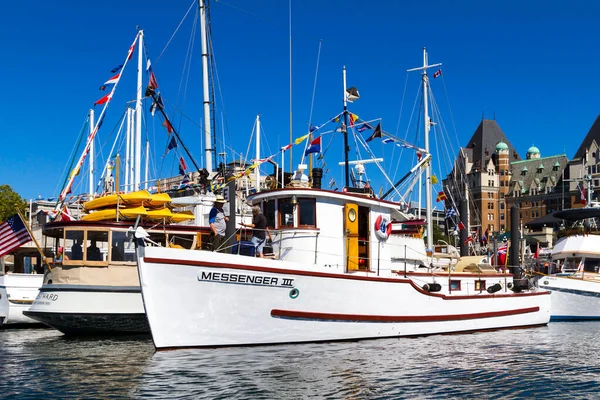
43,256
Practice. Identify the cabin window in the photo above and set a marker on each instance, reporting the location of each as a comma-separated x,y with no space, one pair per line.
480,285
269,212
286,213
454,285
121,249
591,265
73,241
96,246
306,212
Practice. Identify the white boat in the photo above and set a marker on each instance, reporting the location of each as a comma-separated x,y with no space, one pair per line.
323,284
575,283
88,293
17,293
345,266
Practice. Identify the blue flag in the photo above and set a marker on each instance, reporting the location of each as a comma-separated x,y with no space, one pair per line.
315,146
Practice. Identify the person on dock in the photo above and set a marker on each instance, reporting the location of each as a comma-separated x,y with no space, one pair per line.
218,223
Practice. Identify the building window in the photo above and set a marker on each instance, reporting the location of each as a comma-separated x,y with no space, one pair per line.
523,173
501,217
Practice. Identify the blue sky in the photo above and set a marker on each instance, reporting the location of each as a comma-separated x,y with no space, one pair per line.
531,64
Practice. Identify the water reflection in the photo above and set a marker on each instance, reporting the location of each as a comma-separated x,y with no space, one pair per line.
557,361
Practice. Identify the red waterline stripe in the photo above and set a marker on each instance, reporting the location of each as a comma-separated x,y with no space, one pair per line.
288,314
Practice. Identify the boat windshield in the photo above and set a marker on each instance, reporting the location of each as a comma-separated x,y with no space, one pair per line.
591,265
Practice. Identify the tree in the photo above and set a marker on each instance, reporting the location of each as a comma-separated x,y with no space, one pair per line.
9,202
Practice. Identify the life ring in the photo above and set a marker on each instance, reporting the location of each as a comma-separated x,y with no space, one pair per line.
383,228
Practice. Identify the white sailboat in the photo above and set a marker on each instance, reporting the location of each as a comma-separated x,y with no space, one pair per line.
93,287
345,265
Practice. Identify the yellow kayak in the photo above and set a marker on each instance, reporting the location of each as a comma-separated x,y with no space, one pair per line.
111,214
182,216
158,200
132,199
165,213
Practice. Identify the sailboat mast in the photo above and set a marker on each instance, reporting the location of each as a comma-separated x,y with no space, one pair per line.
345,132
427,126
91,121
257,169
207,132
138,117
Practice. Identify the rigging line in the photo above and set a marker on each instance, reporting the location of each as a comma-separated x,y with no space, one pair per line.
111,150
185,75
73,151
450,109
415,105
312,101
176,29
368,150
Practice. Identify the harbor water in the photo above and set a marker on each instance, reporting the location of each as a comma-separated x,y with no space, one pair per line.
561,360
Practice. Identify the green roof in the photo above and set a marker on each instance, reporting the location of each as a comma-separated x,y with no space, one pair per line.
501,146
533,150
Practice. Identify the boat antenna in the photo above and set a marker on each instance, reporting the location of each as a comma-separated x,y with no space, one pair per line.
427,126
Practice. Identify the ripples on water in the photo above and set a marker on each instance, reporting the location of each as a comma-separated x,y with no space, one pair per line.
557,361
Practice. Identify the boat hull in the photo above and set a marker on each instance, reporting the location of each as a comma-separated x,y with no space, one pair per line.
572,299
197,299
90,310
17,293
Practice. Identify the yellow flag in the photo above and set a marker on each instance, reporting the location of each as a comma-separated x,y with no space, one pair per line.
301,139
434,179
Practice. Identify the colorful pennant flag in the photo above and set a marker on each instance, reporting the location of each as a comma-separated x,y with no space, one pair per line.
438,73
441,196
172,144
104,99
157,105
434,179
461,226
315,146
182,166
113,80
168,125
364,127
376,133
152,83
284,148
130,54
116,69
301,139
450,213
353,118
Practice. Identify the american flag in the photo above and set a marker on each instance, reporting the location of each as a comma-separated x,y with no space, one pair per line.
13,234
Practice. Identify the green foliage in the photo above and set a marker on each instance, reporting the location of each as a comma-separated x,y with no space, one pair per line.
438,234
9,201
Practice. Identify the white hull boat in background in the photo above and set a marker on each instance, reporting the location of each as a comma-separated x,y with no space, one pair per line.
17,294
576,287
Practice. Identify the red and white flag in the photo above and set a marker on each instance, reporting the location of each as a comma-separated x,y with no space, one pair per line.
104,99
13,234
112,80
437,73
